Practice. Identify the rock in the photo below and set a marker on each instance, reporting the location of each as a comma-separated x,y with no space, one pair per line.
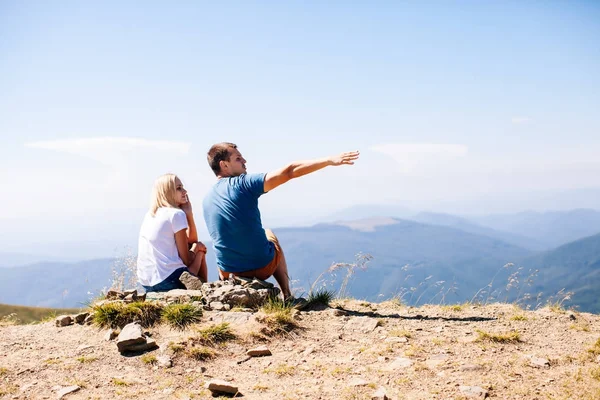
396,339
164,361
260,351
308,351
114,294
131,335
470,367
436,360
221,386
129,292
110,335
80,318
141,297
65,391
361,324
217,306
537,361
572,317
149,344
190,281
63,320
130,298
473,391
89,320
357,382
379,394
399,363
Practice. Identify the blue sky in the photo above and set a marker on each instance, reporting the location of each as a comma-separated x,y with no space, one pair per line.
450,103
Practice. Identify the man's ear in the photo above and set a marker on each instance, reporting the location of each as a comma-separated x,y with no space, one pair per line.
222,165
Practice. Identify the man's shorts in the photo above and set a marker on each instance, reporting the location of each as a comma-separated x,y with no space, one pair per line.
265,272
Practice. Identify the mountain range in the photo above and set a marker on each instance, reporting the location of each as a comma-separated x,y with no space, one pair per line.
430,257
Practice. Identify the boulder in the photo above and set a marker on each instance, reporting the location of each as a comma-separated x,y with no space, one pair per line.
131,335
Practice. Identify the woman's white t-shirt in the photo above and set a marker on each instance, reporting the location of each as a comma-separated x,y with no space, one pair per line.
157,251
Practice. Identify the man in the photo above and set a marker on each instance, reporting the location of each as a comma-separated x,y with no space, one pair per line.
243,248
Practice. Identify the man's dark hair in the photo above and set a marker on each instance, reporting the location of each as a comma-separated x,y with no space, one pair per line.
217,153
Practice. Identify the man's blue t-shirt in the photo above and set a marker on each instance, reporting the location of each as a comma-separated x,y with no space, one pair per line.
233,221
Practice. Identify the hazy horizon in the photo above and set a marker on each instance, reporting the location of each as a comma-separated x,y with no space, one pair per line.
486,108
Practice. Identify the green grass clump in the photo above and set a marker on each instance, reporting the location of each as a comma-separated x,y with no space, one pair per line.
509,337
595,350
518,317
180,316
215,334
118,314
149,359
277,316
84,359
321,296
201,353
176,348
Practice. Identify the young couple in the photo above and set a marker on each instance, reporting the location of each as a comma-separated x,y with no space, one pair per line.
168,243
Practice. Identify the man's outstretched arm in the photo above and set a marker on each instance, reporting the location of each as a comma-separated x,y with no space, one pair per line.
300,168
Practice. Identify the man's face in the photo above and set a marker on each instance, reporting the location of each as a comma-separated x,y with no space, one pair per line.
236,164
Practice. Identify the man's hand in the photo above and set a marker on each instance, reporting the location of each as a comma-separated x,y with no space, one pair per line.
187,206
345,158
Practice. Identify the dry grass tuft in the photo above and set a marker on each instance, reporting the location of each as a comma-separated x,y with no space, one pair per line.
118,314
180,316
201,353
214,334
508,337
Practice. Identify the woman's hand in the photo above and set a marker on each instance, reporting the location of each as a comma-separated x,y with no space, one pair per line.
187,206
199,247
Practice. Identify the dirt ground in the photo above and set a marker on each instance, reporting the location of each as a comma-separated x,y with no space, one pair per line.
375,349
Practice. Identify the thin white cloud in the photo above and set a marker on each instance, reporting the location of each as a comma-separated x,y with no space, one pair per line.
109,150
520,120
413,155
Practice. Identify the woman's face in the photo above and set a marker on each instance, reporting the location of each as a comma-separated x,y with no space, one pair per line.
180,193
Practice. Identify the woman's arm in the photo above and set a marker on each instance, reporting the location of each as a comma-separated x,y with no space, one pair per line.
192,234
181,240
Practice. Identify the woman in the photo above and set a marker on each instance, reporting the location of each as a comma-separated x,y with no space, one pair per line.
167,233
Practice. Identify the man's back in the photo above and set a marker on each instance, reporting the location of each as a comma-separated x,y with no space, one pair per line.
233,221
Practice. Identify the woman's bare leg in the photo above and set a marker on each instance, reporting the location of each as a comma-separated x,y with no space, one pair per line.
198,267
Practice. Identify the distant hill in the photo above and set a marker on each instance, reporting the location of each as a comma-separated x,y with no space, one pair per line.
552,229
574,266
465,225
26,315
421,262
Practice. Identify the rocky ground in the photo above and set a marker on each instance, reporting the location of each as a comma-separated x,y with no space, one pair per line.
357,350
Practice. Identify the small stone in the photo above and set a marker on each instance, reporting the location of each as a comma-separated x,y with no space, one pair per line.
129,298
470,367
572,317
89,320
379,394
537,361
114,294
221,386
131,335
80,318
63,320
436,360
395,339
217,306
473,391
358,382
110,335
260,351
65,391
399,363
362,324
149,344
308,351
130,292
190,281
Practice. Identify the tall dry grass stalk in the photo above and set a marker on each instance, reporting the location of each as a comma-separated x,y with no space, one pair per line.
124,271
360,264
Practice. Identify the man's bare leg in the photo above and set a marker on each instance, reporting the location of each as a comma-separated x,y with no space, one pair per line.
282,277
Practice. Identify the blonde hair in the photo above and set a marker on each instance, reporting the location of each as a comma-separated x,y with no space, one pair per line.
163,193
